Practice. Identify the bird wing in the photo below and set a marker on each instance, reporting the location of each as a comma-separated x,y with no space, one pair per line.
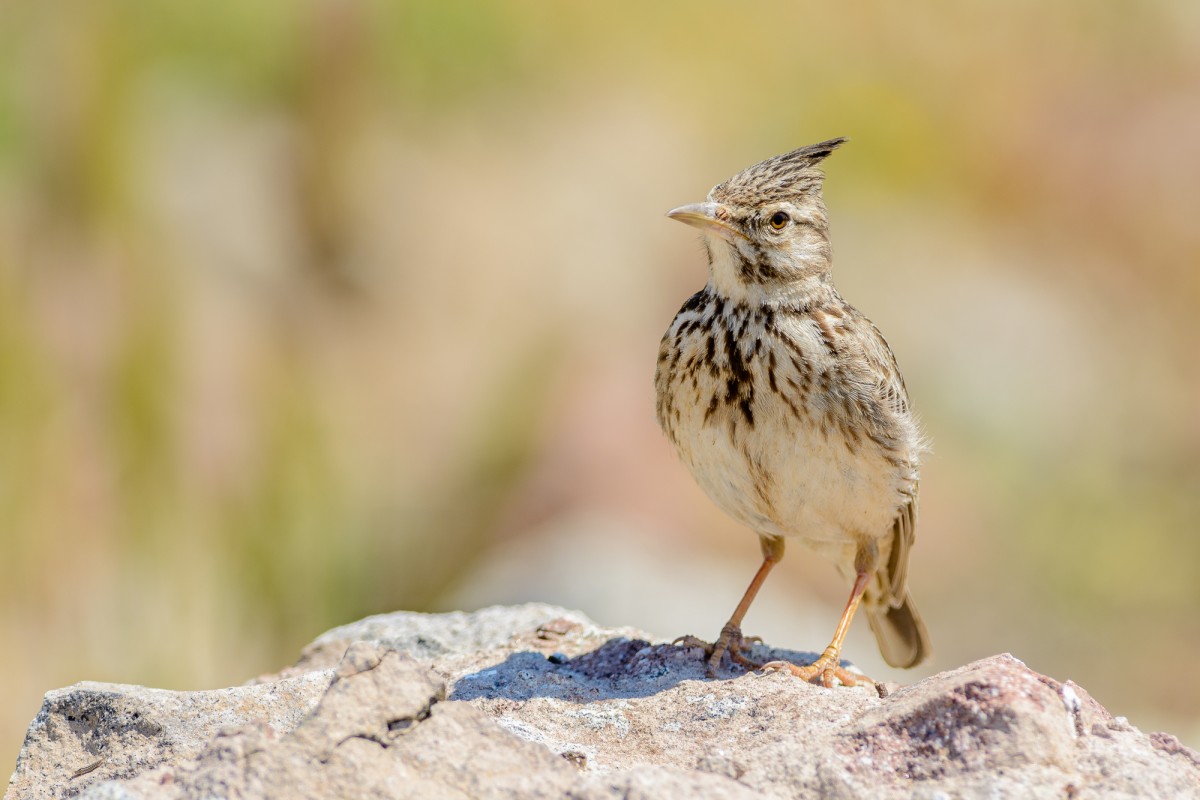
880,372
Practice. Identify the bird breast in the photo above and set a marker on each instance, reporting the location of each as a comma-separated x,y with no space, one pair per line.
776,430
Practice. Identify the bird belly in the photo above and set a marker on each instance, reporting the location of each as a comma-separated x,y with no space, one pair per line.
802,484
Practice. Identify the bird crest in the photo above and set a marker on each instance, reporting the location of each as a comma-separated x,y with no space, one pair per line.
781,177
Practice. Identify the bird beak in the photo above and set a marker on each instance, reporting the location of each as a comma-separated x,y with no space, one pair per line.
706,216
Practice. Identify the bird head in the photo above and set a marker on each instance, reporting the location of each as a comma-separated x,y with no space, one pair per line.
766,227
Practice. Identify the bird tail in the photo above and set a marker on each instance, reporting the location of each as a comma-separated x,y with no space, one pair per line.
901,634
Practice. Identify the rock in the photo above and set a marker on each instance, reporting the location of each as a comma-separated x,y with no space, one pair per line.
536,701
93,730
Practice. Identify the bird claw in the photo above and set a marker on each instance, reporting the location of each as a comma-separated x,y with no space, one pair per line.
693,641
827,668
730,641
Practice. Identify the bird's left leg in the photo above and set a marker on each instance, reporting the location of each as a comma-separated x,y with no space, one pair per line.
828,666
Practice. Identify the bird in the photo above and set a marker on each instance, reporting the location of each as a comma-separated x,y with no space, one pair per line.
787,405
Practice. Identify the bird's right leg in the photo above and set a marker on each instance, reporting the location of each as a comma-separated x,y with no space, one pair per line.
731,640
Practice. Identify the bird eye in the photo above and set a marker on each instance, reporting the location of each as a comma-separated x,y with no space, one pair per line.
778,220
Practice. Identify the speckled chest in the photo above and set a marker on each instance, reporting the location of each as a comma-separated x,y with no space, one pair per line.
774,427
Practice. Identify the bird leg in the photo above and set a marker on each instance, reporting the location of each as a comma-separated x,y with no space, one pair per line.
731,640
828,666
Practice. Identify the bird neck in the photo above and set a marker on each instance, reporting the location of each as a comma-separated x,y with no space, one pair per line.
811,291
750,275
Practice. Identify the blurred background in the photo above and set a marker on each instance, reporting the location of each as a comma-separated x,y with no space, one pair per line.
312,310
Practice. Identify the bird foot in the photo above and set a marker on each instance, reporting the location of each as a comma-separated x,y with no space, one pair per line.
730,641
827,668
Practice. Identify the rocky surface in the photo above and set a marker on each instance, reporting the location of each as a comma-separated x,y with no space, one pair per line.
537,701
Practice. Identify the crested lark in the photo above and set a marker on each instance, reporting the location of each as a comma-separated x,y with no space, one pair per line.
786,404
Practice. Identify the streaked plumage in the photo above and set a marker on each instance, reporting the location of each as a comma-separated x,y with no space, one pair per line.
786,403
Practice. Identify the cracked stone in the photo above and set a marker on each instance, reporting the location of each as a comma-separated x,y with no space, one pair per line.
537,701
